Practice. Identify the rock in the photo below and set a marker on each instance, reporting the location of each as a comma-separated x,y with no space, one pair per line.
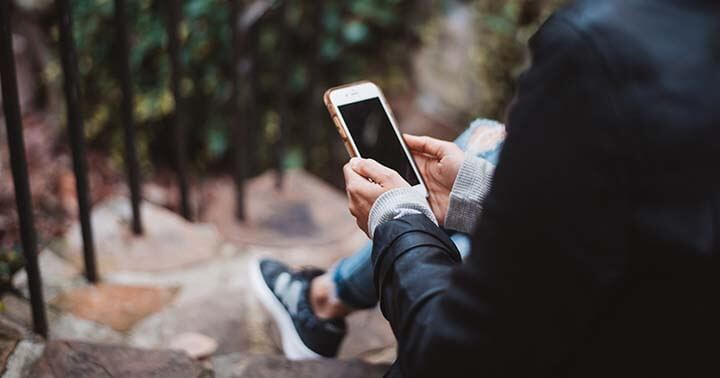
446,76
225,272
77,359
222,316
9,338
156,194
22,359
259,366
118,306
196,345
58,275
369,338
17,315
12,329
169,241
307,212
17,311
70,327
9,331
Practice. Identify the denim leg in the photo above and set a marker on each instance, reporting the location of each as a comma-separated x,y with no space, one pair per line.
462,242
353,277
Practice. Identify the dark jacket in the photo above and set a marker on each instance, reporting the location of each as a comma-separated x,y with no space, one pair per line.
597,252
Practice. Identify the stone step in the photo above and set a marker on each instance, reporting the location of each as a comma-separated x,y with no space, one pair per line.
168,242
62,358
86,360
184,286
263,366
305,212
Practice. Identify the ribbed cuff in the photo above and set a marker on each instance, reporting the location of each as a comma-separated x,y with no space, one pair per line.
397,203
468,193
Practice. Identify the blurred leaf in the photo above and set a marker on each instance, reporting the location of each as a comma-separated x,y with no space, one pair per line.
351,39
217,142
355,32
294,159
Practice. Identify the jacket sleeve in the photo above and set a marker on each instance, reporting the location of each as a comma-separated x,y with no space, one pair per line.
547,253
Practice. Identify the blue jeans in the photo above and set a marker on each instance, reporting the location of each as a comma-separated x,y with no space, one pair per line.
353,276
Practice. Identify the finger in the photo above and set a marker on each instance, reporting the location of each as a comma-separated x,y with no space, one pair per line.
354,182
372,170
426,145
423,160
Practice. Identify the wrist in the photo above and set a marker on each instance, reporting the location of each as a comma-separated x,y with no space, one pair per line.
396,203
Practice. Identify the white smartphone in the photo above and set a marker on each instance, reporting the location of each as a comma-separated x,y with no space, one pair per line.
366,124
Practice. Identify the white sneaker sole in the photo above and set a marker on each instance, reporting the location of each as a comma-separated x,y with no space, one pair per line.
292,345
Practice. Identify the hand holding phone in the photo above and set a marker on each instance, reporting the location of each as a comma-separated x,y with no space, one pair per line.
365,181
439,162
365,123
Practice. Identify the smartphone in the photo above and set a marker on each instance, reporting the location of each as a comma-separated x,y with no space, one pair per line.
366,125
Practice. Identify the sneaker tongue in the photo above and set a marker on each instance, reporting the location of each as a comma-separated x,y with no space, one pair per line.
310,273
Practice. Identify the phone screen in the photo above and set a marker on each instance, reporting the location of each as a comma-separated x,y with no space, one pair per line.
375,138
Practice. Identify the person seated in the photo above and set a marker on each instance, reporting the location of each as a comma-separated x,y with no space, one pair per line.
310,305
597,251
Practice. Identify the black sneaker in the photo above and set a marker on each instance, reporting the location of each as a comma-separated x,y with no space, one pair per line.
285,293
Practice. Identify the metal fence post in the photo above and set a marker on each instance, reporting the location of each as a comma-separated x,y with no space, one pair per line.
18,162
76,132
313,105
125,76
238,129
281,145
179,132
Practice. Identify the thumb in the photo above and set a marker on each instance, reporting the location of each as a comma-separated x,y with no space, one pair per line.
426,145
372,170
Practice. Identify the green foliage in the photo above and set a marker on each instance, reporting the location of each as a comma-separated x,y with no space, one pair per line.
298,52
11,261
294,54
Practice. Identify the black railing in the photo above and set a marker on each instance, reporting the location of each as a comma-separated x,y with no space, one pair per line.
18,164
128,121
238,130
283,106
243,32
173,23
77,133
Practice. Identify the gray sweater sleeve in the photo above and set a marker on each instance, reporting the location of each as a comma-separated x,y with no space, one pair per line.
397,203
468,193
469,190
